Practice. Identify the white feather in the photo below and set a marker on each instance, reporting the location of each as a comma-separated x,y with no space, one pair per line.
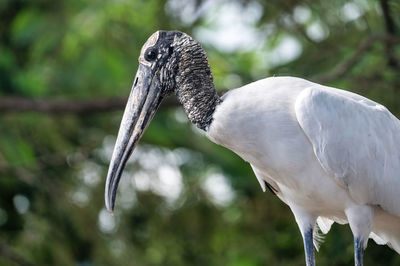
357,142
328,152
324,224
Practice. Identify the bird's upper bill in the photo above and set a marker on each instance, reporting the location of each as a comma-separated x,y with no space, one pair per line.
154,80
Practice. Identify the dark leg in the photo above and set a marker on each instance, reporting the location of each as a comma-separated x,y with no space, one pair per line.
358,251
361,219
309,247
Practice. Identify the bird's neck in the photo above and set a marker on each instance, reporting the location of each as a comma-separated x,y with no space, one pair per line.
194,85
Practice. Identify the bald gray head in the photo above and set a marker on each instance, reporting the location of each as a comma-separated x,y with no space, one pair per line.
182,68
170,61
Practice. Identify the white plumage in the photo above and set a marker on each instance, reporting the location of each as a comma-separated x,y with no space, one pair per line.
330,154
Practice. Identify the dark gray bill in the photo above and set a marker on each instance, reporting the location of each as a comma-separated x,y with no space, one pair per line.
142,104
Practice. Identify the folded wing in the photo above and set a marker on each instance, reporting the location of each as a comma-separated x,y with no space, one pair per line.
356,141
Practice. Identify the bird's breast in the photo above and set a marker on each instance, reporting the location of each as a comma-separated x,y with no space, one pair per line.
260,125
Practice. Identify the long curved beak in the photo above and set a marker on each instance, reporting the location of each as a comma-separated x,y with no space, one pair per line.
143,102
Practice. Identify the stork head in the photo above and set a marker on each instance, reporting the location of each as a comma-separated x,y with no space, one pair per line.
170,61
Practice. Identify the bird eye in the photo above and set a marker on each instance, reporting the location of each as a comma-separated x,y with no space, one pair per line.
150,55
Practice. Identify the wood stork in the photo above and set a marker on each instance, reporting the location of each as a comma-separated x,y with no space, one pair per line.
331,155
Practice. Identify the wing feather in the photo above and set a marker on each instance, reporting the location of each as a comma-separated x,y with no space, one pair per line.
265,181
356,141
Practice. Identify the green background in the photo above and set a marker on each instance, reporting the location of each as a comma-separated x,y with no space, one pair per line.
183,200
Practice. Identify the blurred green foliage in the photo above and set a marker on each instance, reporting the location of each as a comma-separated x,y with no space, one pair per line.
53,167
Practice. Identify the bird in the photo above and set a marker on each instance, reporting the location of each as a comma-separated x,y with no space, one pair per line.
329,154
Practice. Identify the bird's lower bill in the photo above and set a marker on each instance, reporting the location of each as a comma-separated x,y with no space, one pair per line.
143,102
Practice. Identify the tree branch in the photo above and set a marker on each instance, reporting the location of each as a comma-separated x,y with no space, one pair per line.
51,106
17,104
342,68
10,255
389,22
390,30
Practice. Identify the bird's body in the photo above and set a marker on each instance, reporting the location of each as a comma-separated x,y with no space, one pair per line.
260,122
331,155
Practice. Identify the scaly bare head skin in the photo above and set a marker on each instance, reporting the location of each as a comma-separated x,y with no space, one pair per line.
169,61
